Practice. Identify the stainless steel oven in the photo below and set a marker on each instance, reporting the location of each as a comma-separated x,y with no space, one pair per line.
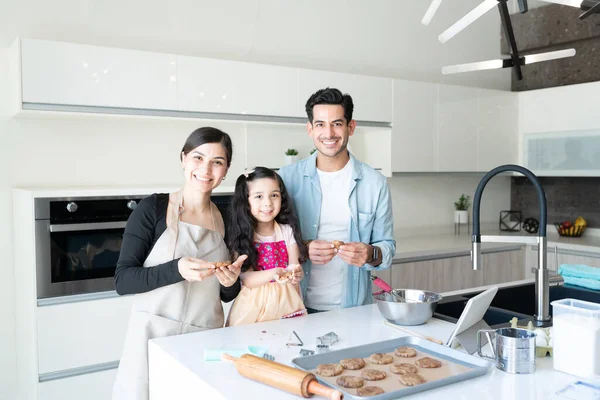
78,241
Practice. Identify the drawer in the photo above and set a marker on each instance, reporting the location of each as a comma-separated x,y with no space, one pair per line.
81,334
94,386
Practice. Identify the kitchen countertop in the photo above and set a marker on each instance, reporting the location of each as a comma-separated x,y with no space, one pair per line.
429,247
177,368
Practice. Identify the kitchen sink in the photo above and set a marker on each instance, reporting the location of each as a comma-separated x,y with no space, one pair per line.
510,302
521,299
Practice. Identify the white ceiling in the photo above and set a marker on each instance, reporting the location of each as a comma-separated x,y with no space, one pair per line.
378,37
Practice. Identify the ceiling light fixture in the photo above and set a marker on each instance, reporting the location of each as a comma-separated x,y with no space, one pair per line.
515,61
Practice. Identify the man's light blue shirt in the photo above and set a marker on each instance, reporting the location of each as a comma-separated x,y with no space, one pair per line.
371,221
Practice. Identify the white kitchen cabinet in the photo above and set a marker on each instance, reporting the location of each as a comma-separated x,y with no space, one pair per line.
567,153
414,132
221,86
498,133
563,108
372,96
94,386
372,146
457,133
74,74
81,334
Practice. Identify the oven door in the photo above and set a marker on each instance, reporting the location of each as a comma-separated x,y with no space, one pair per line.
76,258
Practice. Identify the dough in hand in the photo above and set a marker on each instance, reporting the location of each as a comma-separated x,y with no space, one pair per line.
381,358
352,363
220,264
332,369
369,391
350,382
337,244
411,379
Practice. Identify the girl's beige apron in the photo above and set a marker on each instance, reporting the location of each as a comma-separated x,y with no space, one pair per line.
182,307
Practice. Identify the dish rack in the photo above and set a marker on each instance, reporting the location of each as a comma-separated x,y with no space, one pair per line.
572,231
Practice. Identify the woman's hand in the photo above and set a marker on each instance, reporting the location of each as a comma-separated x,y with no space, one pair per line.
297,272
227,276
194,269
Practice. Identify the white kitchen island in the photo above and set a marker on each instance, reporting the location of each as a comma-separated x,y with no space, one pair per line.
178,370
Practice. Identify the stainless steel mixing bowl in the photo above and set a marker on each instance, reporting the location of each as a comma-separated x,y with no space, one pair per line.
418,308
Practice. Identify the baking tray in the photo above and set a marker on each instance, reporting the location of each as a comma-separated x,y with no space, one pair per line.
467,366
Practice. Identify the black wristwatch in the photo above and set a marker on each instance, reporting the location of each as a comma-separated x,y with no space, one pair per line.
374,254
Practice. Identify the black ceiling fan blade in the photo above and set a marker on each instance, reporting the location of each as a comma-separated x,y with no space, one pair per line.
510,36
592,10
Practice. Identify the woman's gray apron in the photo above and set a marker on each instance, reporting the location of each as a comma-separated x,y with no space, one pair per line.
183,307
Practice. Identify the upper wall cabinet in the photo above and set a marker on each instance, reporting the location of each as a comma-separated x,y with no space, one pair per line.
457,124
73,74
372,96
498,138
415,126
219,86
442,128
570,153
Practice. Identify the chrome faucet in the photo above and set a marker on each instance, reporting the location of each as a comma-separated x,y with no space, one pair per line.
542,280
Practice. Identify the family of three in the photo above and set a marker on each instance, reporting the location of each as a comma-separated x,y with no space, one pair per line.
278,236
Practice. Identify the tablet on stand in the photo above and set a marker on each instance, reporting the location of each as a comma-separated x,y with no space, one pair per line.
471,320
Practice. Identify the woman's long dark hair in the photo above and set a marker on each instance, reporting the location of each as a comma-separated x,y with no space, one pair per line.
240,227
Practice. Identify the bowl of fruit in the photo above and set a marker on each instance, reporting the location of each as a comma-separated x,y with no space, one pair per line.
571,229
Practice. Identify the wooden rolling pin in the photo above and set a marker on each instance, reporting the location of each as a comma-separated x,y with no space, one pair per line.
292,380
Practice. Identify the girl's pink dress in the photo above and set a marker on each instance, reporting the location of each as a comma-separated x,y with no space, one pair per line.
273,300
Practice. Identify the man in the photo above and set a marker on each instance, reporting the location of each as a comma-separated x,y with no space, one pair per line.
340,198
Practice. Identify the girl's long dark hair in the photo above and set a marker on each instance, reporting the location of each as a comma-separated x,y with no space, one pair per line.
240,227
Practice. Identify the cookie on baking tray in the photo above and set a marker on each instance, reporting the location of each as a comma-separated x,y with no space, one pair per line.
373,375
381,358
332,369
369,391
403,368
350,382
428,362
352,363
411,379
405,352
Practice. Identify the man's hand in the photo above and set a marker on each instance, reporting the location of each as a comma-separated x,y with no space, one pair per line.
320,252
355,253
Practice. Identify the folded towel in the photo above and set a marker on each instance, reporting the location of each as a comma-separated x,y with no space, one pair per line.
580,275
215,354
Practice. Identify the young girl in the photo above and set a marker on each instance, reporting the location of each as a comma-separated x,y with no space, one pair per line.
262,225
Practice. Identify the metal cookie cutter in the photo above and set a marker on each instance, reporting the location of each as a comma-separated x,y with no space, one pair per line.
295,344
329,339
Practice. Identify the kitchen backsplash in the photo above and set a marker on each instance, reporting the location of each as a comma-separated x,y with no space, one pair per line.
567,198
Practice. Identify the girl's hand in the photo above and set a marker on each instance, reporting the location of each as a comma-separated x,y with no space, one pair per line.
227,276
297,272
282,276
194,269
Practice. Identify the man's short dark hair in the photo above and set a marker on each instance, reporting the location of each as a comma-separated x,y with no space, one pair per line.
330,96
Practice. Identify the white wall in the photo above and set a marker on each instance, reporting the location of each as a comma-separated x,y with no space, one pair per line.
424,204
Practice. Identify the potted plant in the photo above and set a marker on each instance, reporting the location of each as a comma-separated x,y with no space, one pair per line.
312,151
291,156
461,213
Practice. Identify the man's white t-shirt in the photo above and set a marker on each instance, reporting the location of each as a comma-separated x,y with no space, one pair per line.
326,282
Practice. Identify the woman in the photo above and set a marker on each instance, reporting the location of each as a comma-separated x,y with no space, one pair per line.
170,246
